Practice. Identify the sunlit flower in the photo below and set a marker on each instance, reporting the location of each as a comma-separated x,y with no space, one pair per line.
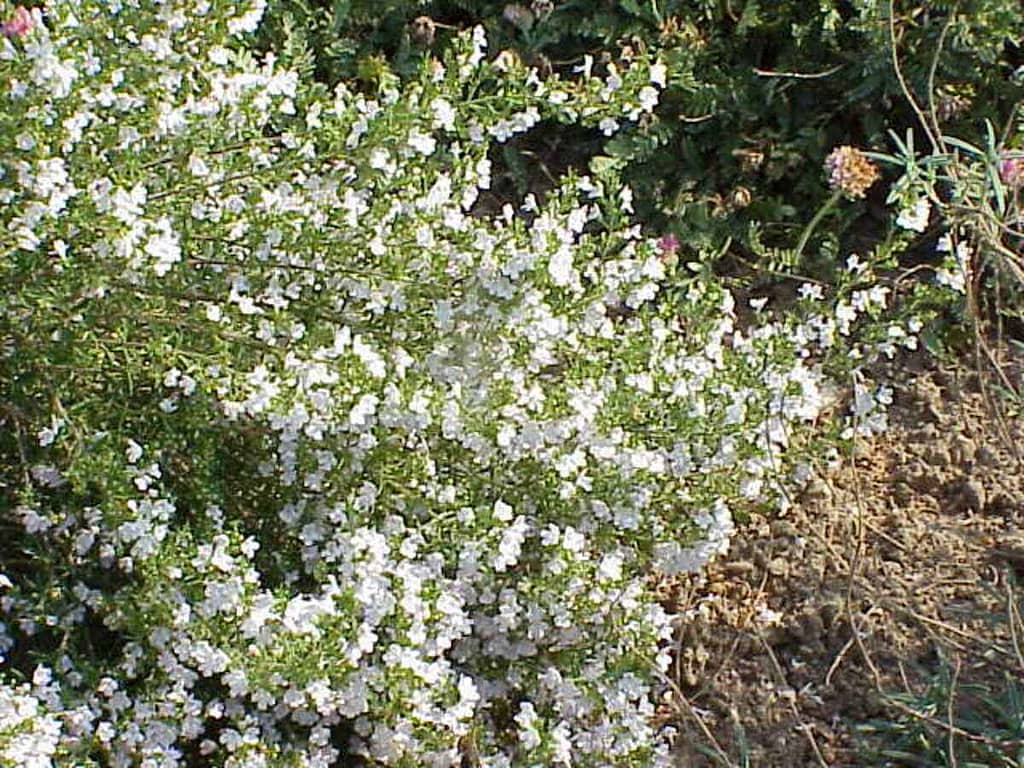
19,24
850,172
915,218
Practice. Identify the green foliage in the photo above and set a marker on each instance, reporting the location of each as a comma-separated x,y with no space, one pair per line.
307,458
317,445
758,93
978,723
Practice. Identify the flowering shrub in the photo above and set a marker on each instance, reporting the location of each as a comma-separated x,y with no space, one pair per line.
757,93
308,458
28,734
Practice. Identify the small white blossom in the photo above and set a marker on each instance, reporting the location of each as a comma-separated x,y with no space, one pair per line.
648,98
915,218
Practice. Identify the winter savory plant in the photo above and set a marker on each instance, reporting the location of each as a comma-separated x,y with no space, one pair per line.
308,459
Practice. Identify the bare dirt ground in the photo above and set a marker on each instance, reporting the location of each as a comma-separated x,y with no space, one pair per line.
900,560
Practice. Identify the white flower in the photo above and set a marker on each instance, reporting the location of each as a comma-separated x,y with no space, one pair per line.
510,546
375,364
249,19
916,217
210,660
502,511
31,735
162,246
608,126
561,269
527,721
573,541
846,314
33,521
423,143
954,271
610,568
444,114
648,98
659,74
133,452
811,291
302,612
953,279
47,435
197,166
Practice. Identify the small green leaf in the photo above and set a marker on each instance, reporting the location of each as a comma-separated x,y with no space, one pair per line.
600,164
340,13
968,148
632,7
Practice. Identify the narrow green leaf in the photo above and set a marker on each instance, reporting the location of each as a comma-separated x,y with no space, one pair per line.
969,148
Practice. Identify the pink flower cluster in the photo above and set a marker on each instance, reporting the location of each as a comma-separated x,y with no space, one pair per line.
668,245
850,171
1011,170
20,23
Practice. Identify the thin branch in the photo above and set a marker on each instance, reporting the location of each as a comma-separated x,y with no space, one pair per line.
799,75
902,80
978,738
1015,624
694,714
950,715
932,70
807,728
700,119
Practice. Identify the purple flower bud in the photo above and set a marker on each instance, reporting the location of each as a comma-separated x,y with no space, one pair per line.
1011,170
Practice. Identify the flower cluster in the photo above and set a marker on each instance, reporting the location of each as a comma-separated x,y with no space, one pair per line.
19,24
850,172
29,735
1011,170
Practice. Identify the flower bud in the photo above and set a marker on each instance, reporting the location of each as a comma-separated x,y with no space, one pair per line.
1011,170
668,245
20,23
740,197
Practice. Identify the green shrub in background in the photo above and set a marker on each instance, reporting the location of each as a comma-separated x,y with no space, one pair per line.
757,95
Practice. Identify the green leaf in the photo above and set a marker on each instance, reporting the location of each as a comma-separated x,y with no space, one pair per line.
882,157
340,13
641,12
600,164
968,148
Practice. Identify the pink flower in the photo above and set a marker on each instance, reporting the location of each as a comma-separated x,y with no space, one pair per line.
1011,170
850,171
668,245
20,23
